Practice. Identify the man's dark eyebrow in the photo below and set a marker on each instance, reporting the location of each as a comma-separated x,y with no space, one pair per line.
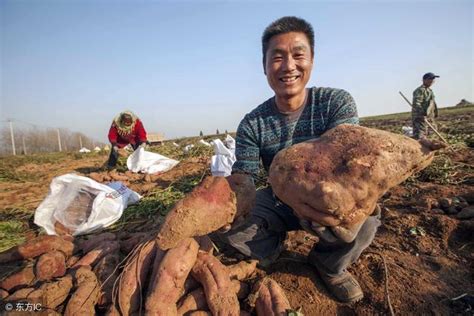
300,48
277,51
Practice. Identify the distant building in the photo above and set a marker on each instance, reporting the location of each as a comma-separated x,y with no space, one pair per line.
156,139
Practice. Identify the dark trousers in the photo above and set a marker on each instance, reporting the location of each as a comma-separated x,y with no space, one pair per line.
262,233
114,155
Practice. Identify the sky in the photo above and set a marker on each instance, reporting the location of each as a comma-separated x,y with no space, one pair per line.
190,66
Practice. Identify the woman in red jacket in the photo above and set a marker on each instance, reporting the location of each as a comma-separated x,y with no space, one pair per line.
126,129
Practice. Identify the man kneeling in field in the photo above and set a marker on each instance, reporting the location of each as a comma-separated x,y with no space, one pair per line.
295,114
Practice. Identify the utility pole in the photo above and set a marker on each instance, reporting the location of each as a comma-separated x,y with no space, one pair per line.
59,139
13,138
24,147
80,142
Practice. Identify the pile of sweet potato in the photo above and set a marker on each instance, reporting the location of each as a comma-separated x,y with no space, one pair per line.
129,274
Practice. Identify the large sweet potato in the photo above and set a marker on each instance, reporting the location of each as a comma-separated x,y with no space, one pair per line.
50,265
106,271
214,277
133,278
336,180
36,247
169,280
83,300
269,299
18,279
210,206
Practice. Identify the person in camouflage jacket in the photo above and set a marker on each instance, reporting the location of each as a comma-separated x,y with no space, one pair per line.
424,106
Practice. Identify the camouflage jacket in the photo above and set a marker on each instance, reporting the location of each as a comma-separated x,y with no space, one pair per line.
424,102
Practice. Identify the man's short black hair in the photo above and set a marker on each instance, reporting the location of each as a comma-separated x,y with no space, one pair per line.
287,24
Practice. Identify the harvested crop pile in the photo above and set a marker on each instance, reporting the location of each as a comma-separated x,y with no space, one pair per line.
99,278
336,180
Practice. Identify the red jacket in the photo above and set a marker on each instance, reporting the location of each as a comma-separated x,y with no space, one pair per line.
138,135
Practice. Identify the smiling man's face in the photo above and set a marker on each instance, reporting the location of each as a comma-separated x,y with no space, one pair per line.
288,65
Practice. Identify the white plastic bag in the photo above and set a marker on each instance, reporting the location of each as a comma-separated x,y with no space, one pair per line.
224,158
83,205
148,162
407,131
203,142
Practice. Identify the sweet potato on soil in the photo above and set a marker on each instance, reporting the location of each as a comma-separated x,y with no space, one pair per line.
117,176
98,177
210,206
196,300
36,247
107,272
50,265
353,168
269,299
169,280
18,279
93,241
242,270
133,278
93,256
85,297
214,277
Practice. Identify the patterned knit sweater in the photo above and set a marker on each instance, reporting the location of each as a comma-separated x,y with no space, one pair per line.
265,131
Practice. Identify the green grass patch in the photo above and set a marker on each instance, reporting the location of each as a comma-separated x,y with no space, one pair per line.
11,234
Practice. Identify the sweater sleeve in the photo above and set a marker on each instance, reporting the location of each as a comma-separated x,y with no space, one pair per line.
247,151
141,132
343,109
113,135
